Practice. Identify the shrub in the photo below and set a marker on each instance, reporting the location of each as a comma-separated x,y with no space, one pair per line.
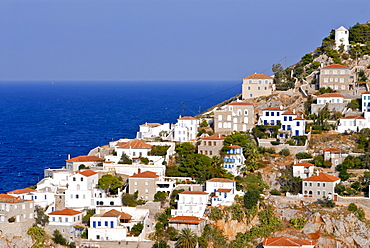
291,142
352,207
11,219
144,160
136,229
298,223
160,196
58,238
303,155
251,198
275,143
285,152
275,192
216,214
326,202
270,150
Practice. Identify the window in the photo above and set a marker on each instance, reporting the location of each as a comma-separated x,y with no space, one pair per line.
318,184
210,153
220,117
324,185
260,81
310,184
305,184
246,112
298,123
342,72
343,87
249,88
341,80
267,113
76,196
331,79
265,88
266,81
325,80
82,179
146,190
105,223
318,192
326,72
250,81
54,219
74,179
335,79
99,223
335,72
285,118
290,118
60,219
250,95
259,88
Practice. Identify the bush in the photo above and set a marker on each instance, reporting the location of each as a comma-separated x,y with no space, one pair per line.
270,150
298,223
160,196
352,207
285,152
11,219
291,142
58,238
216,214
251,198
275,192
275,143
137,228
303,155
326,202
144,160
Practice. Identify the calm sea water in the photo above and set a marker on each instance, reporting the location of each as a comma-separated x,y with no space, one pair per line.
41,123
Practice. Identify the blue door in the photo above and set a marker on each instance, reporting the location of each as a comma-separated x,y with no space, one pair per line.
296,132
111,224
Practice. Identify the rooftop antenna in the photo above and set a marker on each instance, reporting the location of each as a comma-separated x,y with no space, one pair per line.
199,109
182,108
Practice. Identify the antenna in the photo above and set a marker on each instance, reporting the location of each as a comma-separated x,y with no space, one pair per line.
182,108
200,109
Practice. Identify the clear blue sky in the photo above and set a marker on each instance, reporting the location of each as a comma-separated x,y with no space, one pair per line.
162,39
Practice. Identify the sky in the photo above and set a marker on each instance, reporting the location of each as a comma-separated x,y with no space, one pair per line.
42,40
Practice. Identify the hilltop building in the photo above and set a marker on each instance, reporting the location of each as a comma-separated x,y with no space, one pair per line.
235,116
303,170
337,77
342,38
186,129
257,85
321,185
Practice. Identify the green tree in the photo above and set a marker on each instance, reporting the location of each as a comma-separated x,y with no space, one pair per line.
187,239
251,198
161,244
129,200
137,229
160,196
306,59
216,214
109,183
204,123
213,235
279,72
41,217
58,238
125,159
354,104
38,235
298,223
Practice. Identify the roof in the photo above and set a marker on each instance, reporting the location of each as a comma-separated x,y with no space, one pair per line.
304,164
145,174
187,118
240,103
299,119
322,177
353,117
215,137
330,95
9,198
185,219
274,108
87,172
85,159
194,193
289,113
366,92
222,180
151,125
258,76
66,211
136,144
335,66
235,147
224,190
21,191
341,28
332,149
116,213
285,241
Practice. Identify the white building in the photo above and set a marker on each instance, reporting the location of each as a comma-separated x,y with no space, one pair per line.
79,193
334,102
42,198
352,123
321,185
65,217
234,160
330,98
185,129
89,161
303,170
222,191
342,38
134,149
191,203
153,130
271,116
366,101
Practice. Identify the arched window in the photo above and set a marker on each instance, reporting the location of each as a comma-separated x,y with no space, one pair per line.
220,117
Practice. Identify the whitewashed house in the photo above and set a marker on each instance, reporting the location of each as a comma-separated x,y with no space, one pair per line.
271,116
222,191
67,221
153,130
352,123
366,101
42,198
134,149
185,129
191,203
334,155
303,170
89,161
321,185
342,38
334,102
234,159
193,223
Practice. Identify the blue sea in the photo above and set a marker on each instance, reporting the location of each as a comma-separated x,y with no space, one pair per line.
42,122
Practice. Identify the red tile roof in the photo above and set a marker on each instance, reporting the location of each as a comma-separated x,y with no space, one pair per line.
85,159
194,193
187,118
185,219
116,213
145,174
9,198
332,149
66,211
151,125
240,103
322,177
352,117
274,108
215,137
87,172
299,119
224,190
222,180
285,241
235,147
136,144
21,191
331,95
304,164
366,92
335,66
258,76
289,113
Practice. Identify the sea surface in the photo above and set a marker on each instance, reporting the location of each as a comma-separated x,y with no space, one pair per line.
42,122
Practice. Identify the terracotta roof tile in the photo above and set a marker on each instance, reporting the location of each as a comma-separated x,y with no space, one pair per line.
331,95
224,190
223,180
187,118
240,103
66,211
285,241
21,191
258,76
85,159
332,149
366,92
214,137
145,174
9,198
304,164
235,147
299,119
288,113
335,66
87,172
353,117
151,125
274,108
194,193
136,144
185,219
322,177
116,213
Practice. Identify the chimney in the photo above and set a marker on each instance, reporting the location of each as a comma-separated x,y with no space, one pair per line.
69,156
294,111
138,170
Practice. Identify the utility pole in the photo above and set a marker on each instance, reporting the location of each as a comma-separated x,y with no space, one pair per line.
182,109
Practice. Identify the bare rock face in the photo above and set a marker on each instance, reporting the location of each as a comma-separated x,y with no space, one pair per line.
343,230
